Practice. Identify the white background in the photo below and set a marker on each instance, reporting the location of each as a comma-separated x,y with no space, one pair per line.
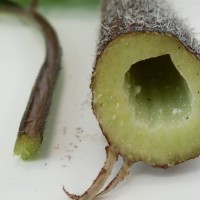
73,149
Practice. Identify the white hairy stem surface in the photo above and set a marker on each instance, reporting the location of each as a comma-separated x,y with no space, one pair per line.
125,16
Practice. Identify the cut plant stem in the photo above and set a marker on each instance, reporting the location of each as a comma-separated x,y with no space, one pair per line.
32,126
146,87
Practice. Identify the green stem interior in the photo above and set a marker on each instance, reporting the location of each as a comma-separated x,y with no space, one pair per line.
158,92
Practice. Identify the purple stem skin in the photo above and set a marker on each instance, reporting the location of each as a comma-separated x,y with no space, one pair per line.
36,113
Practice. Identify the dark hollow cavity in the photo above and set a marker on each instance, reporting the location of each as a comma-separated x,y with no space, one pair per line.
157,92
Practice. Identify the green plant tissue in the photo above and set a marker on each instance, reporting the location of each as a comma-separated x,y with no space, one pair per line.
57,3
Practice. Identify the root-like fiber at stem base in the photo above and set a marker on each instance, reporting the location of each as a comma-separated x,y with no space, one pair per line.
122,174
99,182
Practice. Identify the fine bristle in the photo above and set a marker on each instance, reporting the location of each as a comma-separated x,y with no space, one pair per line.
143,16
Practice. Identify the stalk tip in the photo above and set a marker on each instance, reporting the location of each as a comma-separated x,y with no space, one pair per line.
26,147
